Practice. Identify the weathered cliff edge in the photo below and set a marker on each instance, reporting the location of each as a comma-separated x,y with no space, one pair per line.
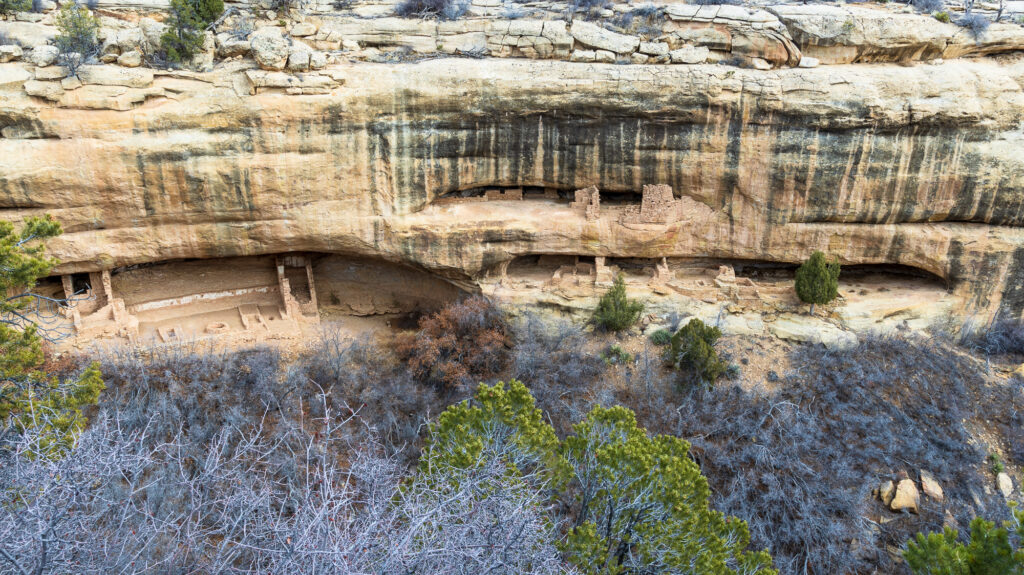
877,163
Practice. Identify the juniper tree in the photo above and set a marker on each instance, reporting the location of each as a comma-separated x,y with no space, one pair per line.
691,350
642,505
616,312
8,7
184,34
495,413
817,280
76,35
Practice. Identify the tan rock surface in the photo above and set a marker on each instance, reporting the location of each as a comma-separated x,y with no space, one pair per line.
877,164
907,497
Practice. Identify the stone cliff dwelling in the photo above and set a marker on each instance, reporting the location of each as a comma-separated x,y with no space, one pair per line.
279,296
254,298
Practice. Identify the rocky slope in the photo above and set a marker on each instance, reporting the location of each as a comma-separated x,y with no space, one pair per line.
889,156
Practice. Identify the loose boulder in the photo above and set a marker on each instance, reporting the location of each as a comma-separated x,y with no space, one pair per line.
689,55
132,59
270,48
9,53
229,45
907,497
303,29
930,486
1005,484
886,491
43,56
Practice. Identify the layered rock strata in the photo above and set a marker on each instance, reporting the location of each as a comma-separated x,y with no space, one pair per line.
877,164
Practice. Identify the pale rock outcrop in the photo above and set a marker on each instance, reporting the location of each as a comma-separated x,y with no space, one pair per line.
805,330
843,34
298,61
689,55
1004,484
73,83
557,32
114,76
592,35
130,39
43,56
654,48
51,73
42,89
262,81
151,33
270,48
317,60
420,36
131,59
109,50
27,34
229,45
9,53
930,486
775,164
583,56
303,29
204,57
12,76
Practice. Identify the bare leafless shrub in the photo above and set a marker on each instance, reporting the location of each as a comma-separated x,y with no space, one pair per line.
439,9
1003,337
463,344
799,463
366,375
277,499
566,381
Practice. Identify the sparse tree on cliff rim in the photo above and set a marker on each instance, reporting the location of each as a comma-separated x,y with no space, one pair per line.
8,7
184,34
817,280
76,39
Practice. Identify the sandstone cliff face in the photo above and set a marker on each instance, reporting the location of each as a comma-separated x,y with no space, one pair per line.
878,164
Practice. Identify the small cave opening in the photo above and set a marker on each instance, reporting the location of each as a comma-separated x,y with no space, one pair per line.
80,283
51,287
547,263
621,198
498,193
865,278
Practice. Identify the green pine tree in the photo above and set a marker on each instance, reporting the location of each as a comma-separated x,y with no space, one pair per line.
184,34
30,398
692,351
817,280
8,7
76,35
643,505
988,552
616,312
459,435
208,10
